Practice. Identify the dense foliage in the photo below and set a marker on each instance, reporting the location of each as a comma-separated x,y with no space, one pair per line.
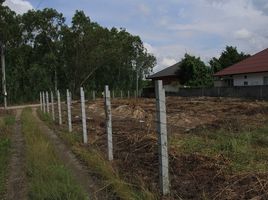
194,72
44,53
227,58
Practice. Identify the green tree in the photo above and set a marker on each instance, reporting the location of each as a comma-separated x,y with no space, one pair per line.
194,72
43,53
227,58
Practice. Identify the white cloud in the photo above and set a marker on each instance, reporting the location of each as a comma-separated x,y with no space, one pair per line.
145,10
168,62
210,26
243,34
19,6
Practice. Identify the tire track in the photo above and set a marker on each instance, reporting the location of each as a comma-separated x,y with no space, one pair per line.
16,184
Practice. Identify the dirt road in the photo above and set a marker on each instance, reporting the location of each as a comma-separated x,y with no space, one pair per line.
16,186
79,171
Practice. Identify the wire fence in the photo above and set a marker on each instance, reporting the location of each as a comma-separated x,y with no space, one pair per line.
136,144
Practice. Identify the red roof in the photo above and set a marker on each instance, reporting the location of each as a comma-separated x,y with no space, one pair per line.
254,64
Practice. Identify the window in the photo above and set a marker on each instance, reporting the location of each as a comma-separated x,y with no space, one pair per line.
246,77
245,83
265,80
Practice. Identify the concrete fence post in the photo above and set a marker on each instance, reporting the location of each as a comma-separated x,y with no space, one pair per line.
93,95
162,136
108,112
128,96
84,123
59,107
69,111
44,102
47,97
113,94
121,94
41,103
52,106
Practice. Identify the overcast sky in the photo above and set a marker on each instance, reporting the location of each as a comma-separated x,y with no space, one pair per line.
170,28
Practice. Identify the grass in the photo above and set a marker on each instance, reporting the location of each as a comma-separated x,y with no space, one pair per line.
246,151
6,122
94,160
47,177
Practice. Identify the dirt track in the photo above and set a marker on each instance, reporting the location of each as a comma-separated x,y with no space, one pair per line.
17,185
80,173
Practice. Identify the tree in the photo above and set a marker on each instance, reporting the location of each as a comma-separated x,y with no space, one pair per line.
194,72
43,53
228,57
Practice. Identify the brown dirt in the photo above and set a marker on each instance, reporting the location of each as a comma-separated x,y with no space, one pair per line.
17,185
192,176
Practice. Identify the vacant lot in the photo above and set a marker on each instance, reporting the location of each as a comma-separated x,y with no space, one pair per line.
218,148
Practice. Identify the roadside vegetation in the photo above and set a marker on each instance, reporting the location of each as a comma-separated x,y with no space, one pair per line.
95,161
6,123
244,151
47,177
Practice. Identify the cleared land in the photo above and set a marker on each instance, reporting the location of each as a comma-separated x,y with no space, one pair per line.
218,147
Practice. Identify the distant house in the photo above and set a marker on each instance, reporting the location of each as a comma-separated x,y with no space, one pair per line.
169,76
249,72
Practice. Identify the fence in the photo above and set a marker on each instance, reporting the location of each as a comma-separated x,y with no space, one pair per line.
133,133
71,117
253,92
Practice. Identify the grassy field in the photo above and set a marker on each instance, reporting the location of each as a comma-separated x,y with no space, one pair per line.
98,165
245,151
6,122
47,177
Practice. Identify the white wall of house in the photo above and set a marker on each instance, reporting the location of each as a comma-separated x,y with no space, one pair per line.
172,87
250,79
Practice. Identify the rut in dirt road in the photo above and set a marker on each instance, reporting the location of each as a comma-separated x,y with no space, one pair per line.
16,185
79,171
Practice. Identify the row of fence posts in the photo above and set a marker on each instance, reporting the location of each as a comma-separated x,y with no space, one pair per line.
161,123
112,95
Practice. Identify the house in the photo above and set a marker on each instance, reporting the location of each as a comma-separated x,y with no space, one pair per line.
169,76
249,72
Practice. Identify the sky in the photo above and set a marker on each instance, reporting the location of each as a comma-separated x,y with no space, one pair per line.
171,28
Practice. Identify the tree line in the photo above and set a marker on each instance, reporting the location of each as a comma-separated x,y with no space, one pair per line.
42,52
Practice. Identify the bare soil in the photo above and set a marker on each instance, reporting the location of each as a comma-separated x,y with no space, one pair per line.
192,176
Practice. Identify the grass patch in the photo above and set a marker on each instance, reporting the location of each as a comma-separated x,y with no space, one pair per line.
246,151
47,177
6,123
95,161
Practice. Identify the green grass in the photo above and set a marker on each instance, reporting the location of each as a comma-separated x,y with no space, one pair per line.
6,123
96,163
47,177
246,151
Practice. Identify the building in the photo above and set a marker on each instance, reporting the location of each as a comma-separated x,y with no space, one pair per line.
169,76
249,72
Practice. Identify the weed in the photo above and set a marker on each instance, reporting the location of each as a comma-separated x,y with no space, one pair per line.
247,151
6,123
